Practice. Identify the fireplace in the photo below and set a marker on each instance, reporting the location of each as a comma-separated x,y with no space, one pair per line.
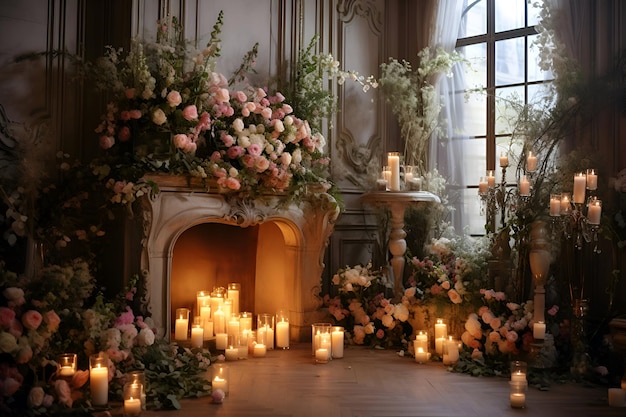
196,239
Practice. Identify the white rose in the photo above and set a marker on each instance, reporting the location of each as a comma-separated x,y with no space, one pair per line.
238,125
159,117
8,343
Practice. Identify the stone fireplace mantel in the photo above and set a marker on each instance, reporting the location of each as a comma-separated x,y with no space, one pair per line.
305,226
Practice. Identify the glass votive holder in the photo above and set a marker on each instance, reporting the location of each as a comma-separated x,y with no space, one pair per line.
282,330
517,395
219,378
139,377
245,321
322,342
242,346
337,337
132,399
233,292
421,340
66,365
265,329
197,333
450,351
182,324
99,379
518,371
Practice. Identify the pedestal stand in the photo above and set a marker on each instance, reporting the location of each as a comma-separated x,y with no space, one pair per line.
397,202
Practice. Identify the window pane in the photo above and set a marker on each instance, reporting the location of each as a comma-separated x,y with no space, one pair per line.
510,61
534,72
510,14
474,19
533,12
472,217
476,71
509,102
541,93
474,114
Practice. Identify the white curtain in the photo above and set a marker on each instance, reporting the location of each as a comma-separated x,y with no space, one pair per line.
446,149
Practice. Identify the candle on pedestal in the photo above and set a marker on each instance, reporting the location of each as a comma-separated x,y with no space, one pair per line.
482,186
504,160
491,179
580,183
524,186
531,162
592,179
393,160
565,203
539,330
555,205
594,211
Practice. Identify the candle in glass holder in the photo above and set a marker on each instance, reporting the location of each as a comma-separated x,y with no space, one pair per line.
232,352
592,179
182,324
517,396
282,330
482,186
139,377
555,205
421,356
197,333
265,329
504,160
580,183
450,351
421,340
234,293
220,377
337,337
518,371
594,211
531,162
565,203
132,399
524,186
203,298
99,379
491,179
66,364
393,160
221,341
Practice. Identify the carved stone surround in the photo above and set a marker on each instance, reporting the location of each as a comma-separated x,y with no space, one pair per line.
305,227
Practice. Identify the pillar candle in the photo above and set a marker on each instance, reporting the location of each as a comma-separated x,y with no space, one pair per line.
259,350
245,321
203,299
524,186
441,330
393,159
592,180
218,321
594,212
266,332
205,316
221,341
555,205
439,341
282,334
482,186
386,174
580,183
539,330
421,355
220,383
617,397
227,308
197,336
132,407
208,329
451,353
321,355
234,292
531,162
491,179
99,384
337,337
504,160
517,399
182,324
421,340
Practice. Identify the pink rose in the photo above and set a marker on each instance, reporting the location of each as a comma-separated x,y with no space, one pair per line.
6,317
261,164
455,297
227,139
190,113
254,149
24,355
222,95
106,142
16,328
241,96
129,93
125,115
63,391
35,397
181,141
135,114
174,98
233,183
31,319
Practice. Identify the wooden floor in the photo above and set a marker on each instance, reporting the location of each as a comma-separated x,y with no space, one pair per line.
368,382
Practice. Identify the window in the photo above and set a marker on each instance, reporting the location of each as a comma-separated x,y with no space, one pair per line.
496,37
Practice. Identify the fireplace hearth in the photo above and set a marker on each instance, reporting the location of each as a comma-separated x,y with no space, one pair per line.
196,239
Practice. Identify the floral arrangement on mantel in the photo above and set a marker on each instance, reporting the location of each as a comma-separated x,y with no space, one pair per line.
172,113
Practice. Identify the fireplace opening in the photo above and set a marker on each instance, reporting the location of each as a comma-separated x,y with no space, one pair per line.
262,258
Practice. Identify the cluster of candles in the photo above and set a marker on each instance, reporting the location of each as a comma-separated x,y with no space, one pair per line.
445,346
326,342
219,319
561,204
398,177
134,390
518,384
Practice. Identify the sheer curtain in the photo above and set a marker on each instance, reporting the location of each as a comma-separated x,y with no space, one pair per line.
446,149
